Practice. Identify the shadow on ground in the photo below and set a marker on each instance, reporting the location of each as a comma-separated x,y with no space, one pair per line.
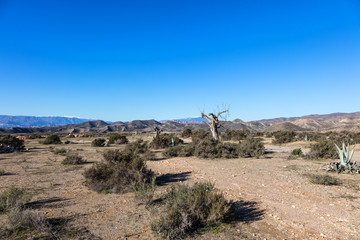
165,179
48,203
245,211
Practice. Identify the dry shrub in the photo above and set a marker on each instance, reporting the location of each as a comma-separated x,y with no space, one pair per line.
187,209
12,142
13,197
52,139
73,159
179,151
118,172
165,140
60,151
251,147
98,142
326,180
116,138
284,137
322,149
235,135
20,220
186,133
199,135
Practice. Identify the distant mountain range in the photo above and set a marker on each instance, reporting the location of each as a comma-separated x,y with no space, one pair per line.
34,121
327,122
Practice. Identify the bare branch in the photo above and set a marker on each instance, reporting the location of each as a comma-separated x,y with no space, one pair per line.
206,117
218,115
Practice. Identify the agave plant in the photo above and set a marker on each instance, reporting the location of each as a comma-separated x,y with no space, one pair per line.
345,155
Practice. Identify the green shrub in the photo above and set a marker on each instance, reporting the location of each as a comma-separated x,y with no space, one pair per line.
98,142
12,141
251,147
324,180
165,140
13,197
179,151
73,159
200,135
186,133
116,138
323,149
60,151
187,209
297,152
235,135
52,139
284,137
118,173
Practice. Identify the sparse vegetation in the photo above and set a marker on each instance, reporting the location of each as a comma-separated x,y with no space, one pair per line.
60,151
187,209
118,173
284,137
116,138
165,140
322,149
13,197
326,180
98,142
186,133
73,159
52,139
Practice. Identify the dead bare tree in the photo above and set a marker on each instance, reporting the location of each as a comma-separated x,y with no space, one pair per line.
158,131
214,123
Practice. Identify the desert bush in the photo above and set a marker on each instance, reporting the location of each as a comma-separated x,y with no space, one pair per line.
116,138
165,140
73,159
199,135
324,179
322,149
310,136
297,152
13,197
52,139
118,173
208,148
98,142
34,136
60,151
228,150
284,137
179,151
20,220
251,147
186,133
235,135
187,209
138,147
144,190
12,141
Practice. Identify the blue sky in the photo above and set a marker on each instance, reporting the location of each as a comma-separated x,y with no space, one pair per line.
127,60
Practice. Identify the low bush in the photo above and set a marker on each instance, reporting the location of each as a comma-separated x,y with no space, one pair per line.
324,179
34,136
208,148
179,151
235,135
12,141
186,133
199,135
187,209
284,137
138,147
52,139
297,152
98,142
116,138
73,159
165,140
322,149
21,220
60,151
251,147
118,173
13,197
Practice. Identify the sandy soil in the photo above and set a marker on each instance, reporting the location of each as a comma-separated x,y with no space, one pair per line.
274,198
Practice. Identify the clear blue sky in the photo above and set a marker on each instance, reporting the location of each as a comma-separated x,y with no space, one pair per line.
126,60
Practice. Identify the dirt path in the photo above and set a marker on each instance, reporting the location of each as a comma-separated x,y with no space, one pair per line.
293,207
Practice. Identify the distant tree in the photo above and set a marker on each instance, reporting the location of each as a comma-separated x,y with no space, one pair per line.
214,123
